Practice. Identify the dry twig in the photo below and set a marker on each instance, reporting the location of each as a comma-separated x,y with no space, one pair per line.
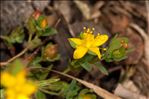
99,91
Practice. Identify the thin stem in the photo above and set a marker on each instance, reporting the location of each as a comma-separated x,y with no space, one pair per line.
30,38
19,54
13,58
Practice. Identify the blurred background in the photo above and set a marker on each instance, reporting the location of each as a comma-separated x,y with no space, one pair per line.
130,18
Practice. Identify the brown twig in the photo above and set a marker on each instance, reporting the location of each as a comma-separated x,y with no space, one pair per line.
19,54
13,58
58,21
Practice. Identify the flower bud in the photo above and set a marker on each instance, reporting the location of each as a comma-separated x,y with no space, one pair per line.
50,51
36,14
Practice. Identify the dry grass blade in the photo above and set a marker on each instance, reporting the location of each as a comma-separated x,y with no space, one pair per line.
99,91
145,37
84,8
127,94
147,8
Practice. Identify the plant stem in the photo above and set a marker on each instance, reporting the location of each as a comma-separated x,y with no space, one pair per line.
30,37
19,54
13,58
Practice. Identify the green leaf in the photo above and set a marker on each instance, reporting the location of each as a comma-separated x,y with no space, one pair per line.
119,53
58,86
40,19
116,51
16,66
87,66
81,35
16,36
72,43
31,25
46,83
116,43
36,61
34,43
88,58
84,91
49,31
119,59
72,90
92,53
42,74
40,95
101,68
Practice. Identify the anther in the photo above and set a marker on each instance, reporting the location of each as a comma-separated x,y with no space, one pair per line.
93,29
84,28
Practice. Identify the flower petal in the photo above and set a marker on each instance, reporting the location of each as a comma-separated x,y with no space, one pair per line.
10,93
79,52
7,80
100,40
77,41
21,77
29,88
96,51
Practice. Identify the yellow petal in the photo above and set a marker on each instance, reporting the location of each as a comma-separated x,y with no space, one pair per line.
100,40
79,52
96,51
28,88
22,96
7,80
20,77
77,41
10,93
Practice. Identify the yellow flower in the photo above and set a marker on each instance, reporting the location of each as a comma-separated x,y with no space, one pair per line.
17,87
88,43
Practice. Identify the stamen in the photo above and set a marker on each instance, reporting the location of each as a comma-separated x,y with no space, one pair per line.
122,41
93,29
104,49
84,28
88,30
98,34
